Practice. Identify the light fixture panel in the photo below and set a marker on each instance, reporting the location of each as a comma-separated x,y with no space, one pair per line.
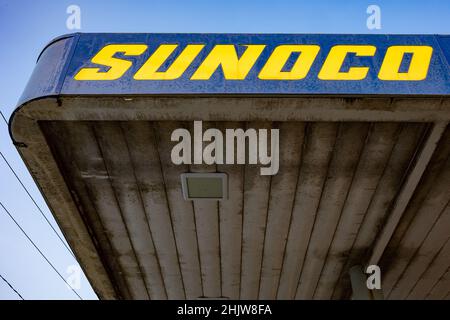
204,186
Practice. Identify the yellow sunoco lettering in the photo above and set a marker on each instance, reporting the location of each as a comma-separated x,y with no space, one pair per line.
225,55
106,57
278,58
333,64
149,71
418,67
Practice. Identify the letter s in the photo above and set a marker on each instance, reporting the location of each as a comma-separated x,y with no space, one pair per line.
105,57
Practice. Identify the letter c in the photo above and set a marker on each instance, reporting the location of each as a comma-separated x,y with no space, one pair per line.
333,64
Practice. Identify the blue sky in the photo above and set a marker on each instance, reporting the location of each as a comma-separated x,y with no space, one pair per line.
25,28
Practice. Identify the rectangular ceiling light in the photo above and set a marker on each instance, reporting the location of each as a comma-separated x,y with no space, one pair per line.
204,186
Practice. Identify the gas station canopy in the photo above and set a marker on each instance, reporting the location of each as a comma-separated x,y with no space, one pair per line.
364,167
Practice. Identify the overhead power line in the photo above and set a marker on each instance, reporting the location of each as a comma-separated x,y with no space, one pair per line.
12,288
39,250
37,206
34,201
4,118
